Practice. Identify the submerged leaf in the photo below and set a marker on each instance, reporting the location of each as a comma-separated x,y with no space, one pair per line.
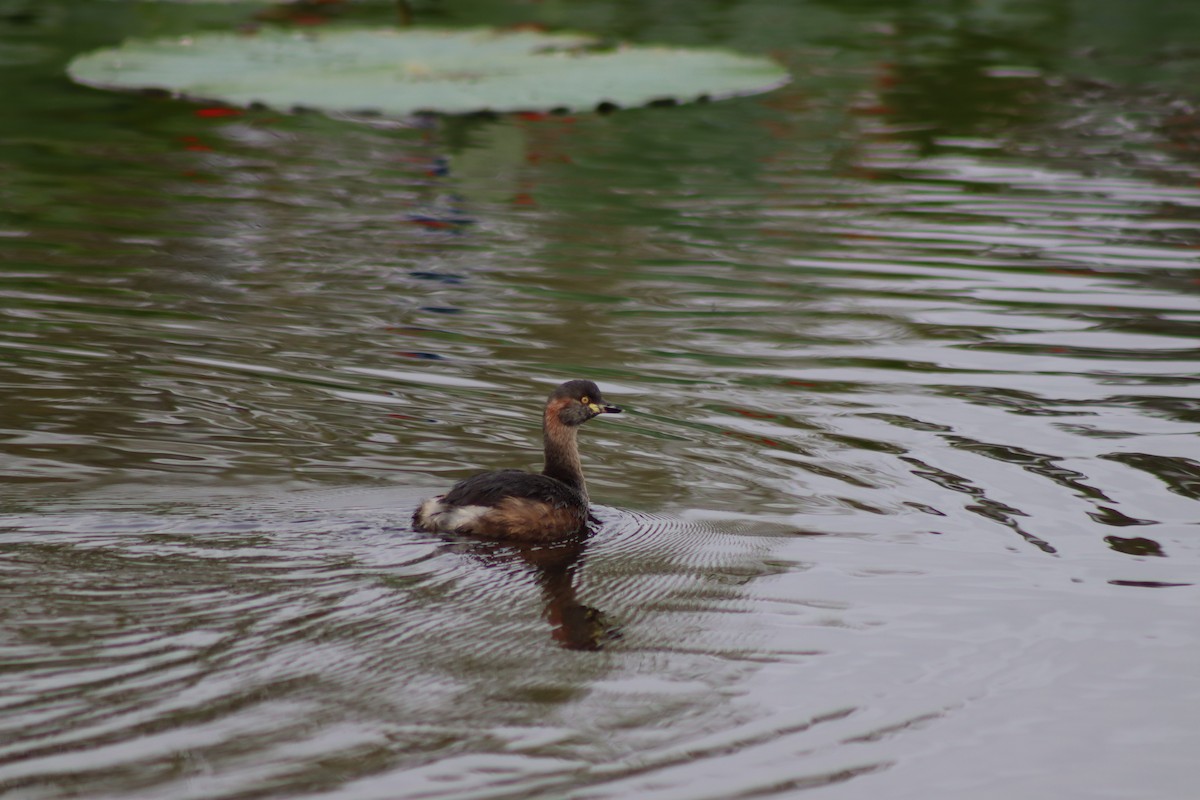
400,72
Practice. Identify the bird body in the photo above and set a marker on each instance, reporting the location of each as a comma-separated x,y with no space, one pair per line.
524,506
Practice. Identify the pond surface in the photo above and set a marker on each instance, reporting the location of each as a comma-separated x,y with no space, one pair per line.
905,505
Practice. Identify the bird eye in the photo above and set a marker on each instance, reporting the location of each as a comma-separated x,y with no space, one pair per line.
585,400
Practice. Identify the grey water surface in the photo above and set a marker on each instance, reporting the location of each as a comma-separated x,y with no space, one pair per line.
906,503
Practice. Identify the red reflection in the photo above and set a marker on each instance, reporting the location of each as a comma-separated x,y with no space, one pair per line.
215,113
194,143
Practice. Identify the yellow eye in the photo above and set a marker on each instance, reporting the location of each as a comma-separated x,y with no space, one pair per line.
585,400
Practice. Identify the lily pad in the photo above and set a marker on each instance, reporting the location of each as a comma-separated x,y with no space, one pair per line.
400,72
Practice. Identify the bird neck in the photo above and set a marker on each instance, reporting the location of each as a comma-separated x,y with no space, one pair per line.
562,454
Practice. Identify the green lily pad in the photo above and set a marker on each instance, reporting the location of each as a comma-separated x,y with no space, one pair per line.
401,72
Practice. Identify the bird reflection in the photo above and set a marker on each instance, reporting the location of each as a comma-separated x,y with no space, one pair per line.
556,566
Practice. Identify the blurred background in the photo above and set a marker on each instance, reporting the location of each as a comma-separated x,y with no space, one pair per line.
905,502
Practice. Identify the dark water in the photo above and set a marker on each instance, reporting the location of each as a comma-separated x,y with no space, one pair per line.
906,503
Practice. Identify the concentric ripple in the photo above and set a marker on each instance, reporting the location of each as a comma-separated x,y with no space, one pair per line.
904,503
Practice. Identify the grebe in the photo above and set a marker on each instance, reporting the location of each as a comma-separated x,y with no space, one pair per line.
519,505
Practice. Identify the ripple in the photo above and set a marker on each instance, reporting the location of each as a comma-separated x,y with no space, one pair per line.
171,629
908,355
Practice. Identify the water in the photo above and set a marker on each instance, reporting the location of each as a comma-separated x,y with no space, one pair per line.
905,502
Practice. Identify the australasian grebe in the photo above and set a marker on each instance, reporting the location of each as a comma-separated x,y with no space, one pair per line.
519,505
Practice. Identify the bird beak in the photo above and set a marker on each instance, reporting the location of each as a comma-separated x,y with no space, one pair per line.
606,408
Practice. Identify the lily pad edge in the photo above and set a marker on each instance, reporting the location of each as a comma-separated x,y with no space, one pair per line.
365,114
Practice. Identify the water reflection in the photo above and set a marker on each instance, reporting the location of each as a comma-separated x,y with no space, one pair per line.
911,347
556,567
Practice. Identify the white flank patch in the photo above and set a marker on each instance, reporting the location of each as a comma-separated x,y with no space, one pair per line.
463,516
435,515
